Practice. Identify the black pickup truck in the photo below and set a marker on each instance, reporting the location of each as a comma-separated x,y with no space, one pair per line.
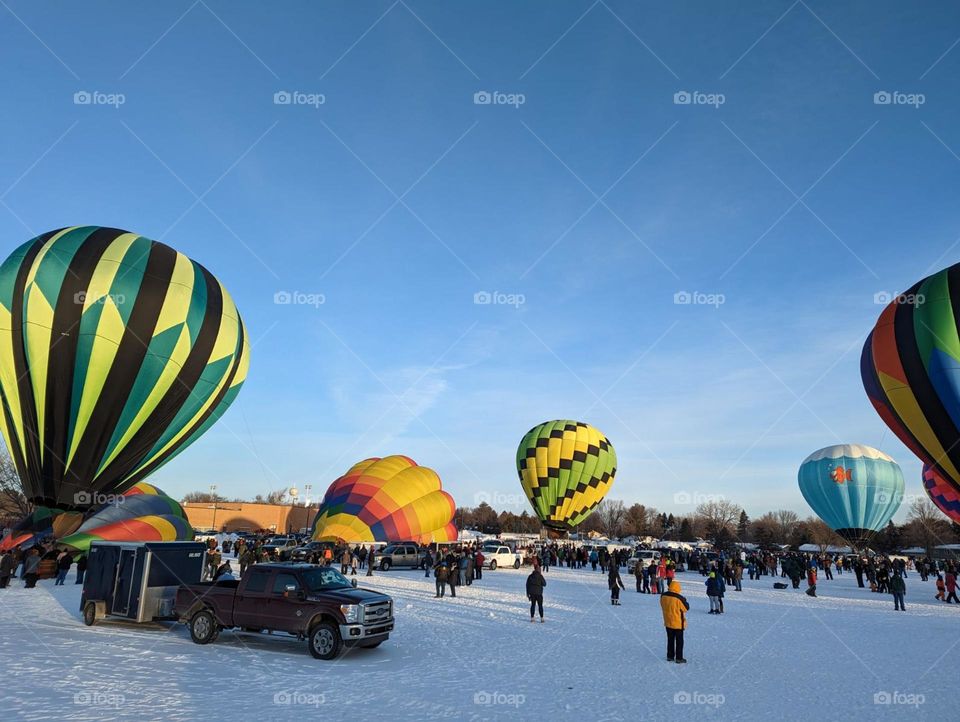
311,602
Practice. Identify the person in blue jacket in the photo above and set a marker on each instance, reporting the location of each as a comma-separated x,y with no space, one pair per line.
715,589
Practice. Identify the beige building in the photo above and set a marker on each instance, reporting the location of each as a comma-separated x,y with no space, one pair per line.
243,516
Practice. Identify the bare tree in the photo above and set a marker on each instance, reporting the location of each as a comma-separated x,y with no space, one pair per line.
719,519
786,522
926,525
822,535
202,497
611,514
13,502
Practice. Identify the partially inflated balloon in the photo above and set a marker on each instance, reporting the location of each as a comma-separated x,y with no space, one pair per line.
942,493
910,368
855,489
116,353
388,499
566,468
144,513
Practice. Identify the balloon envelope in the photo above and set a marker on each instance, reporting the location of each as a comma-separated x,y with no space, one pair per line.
116,353
910,369
388,499
942,493
566,468
855,489
144,513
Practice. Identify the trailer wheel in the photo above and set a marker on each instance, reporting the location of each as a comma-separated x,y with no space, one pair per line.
325,642
90,613
203,627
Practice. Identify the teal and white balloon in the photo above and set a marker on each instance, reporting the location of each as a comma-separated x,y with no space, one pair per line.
855,489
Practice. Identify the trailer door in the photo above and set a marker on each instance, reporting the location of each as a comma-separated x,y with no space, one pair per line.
123,588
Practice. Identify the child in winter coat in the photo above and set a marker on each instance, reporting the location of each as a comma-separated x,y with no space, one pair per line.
941,588
713,592
615,583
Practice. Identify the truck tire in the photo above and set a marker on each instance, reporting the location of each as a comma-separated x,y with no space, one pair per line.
90,613
516,563
324,641
385,565
203,627
493,565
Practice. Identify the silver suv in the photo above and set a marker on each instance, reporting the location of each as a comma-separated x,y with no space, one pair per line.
401,554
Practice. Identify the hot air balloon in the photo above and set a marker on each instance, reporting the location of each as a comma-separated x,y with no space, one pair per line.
910,368
143,513
855,489
566,468
116,353
942,493
388,499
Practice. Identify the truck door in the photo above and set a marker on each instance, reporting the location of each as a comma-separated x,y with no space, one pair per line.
123,588
250,602
286,610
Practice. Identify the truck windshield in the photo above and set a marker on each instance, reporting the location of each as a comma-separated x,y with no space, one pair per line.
318,580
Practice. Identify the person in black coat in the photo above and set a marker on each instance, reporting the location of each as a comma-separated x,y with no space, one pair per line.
535,585
81,567
615,583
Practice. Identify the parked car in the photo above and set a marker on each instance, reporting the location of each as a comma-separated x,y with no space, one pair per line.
303,553
644,555
499,555
280,547
307,601
401,554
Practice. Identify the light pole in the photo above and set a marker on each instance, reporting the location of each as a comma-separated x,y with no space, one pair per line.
306,494
213,496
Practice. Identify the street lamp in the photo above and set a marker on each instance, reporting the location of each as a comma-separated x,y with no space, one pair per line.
306,494
213,496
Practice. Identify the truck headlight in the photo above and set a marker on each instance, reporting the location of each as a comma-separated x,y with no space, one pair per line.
351,612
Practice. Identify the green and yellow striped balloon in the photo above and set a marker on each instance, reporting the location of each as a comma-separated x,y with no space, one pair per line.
566,468
116,353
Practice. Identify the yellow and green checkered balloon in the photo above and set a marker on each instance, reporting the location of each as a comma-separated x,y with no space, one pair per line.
566,468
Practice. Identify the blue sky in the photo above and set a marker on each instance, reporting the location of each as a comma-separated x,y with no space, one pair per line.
584,194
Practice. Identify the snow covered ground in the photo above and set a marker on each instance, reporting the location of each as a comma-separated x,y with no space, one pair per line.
846,655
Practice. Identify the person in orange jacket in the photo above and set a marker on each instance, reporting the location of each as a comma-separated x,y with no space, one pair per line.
674,607
941,589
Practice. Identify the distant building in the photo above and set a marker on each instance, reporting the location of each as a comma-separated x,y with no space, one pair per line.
244,516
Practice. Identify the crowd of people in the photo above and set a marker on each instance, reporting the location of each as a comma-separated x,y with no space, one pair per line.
28,565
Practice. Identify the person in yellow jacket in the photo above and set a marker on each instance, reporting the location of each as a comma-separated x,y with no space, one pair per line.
675,607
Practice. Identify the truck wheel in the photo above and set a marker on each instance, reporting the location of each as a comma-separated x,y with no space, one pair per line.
325,642
90,613
385,565
493,565
516,563
203,627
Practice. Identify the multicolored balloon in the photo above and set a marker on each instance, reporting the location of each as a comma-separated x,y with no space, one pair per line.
910,368
942,493
855,489
388,499
116,353
143,513
566,468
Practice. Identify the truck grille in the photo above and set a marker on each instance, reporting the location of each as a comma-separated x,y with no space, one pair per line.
376,612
